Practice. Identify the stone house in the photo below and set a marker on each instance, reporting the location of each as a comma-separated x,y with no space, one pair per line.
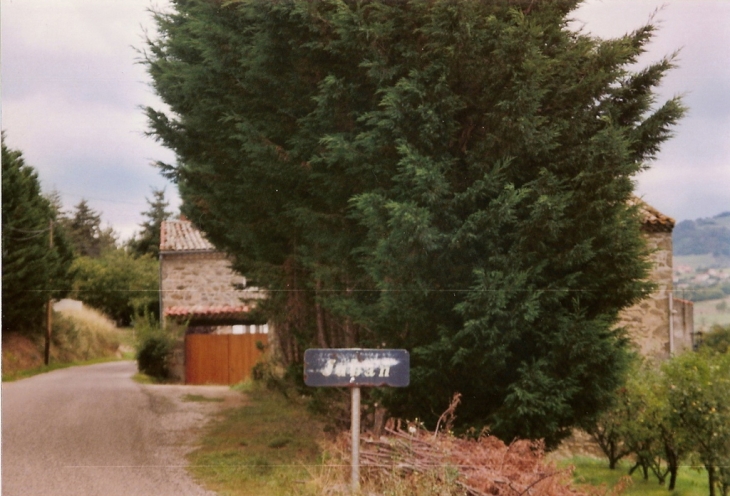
660,325
198,286
199,289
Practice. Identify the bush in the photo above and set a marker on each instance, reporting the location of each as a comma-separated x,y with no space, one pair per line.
153,357
154,348
718,339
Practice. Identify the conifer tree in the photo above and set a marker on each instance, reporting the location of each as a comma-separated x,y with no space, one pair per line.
148,240
89,238
33,271
448,177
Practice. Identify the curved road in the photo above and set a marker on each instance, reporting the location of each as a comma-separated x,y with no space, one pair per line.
93,431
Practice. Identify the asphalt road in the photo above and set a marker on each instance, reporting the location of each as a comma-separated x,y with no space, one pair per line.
93,431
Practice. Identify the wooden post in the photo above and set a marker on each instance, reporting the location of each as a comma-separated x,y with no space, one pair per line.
49,307
355,431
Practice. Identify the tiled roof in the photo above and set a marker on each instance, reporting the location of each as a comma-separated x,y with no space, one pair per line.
181,235
652,219
207,312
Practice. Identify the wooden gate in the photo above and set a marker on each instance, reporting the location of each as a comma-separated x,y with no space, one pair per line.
221,358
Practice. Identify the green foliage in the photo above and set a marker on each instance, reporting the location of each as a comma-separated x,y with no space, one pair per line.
118,284
718,339
698,389
662,417
153,356
32,271
448,177
609,430
154,347
148,240
649,432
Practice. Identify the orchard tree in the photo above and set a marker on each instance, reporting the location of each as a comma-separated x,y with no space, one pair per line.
698,388
33,270
449,177
148,240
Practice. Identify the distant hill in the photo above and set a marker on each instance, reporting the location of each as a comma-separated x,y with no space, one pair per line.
703,236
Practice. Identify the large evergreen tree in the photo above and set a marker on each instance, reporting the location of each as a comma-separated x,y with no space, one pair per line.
449,177
33,271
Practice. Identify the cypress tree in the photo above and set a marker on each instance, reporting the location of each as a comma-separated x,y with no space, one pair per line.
449,177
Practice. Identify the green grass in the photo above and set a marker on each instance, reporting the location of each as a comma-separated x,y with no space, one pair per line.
24,374
595,472
141,378
267,447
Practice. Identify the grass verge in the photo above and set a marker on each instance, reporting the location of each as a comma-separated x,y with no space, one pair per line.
42,369
595,472
268,447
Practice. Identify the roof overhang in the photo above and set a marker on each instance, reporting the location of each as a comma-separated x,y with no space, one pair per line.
212,314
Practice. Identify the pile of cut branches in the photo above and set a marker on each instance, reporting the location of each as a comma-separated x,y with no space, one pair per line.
475,467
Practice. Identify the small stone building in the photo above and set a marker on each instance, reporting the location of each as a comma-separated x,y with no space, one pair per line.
660,325
223,340
198,286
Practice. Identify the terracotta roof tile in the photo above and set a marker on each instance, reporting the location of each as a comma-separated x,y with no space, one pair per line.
652,219
181,235
207,311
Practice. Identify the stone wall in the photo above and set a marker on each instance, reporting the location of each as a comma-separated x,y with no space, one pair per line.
648,320
189,279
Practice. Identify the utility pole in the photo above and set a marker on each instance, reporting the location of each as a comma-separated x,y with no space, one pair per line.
49,306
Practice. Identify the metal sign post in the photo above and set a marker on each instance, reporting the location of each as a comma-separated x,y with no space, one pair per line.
355,438
355,368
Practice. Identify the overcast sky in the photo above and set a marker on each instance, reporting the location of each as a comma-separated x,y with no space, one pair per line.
72,92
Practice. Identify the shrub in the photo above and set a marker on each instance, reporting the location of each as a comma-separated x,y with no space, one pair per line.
155,346
153,357
718,339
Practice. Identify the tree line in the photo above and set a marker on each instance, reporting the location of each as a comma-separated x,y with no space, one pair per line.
451,178
702,236
50,254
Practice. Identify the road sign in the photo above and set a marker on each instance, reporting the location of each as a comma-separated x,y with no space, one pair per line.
356,367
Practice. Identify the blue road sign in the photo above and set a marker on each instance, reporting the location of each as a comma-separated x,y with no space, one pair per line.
356,367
